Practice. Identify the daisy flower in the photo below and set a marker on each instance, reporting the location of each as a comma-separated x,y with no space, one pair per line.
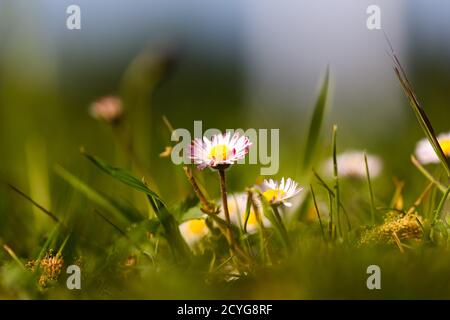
279,192
220,152
352,164
109,109
237,204
425,152
193,230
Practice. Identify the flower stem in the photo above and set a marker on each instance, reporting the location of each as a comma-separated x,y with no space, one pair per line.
207,206
223,191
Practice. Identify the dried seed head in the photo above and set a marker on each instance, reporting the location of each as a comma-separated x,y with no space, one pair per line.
405,227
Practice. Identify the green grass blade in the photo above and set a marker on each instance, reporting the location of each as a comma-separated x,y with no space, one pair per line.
336,181
421,116
317,210
316,122
126,178
372,201
90,193
276,223
168,221
426,174
14,256
331,193
440,207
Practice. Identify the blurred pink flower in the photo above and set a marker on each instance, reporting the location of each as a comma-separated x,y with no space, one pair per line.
109,109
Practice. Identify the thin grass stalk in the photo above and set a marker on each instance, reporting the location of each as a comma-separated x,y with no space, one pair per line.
369,182
336,181
317,211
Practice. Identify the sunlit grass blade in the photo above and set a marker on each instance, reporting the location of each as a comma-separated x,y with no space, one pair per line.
336,181
316,122
13,255
63,245
427,175
421,116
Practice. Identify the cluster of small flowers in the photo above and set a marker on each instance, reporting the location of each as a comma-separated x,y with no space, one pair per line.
49,267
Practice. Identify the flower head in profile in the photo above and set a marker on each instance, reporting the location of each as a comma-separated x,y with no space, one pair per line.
279,192
237,204
352,164
109,109
220,152
193,230
425,152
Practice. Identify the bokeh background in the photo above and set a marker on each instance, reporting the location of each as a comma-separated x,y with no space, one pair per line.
231,64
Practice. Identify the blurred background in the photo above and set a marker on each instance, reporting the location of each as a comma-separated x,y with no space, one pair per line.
231,64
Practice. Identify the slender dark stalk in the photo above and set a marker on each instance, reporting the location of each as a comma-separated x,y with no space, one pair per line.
317,210
223,191
372,202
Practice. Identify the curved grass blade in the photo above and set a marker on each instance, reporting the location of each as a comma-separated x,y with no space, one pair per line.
126,178
316,122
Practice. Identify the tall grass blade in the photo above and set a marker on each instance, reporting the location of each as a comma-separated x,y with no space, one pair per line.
316,122
421,116
336,181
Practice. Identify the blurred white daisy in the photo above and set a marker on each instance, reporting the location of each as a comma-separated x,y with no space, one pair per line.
352,164
108,109
425,152
279,192
219,152
237,205
193,230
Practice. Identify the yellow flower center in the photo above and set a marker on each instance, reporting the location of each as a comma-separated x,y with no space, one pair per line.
445,145
219,152
273,194
197,226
